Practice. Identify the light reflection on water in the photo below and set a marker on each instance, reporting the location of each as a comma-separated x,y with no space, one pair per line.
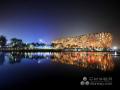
82,60
93,60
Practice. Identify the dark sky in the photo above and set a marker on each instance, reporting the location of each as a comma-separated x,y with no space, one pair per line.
32,20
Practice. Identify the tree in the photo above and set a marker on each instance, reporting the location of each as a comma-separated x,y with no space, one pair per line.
16,42
42,44
37,44
52,45
3,41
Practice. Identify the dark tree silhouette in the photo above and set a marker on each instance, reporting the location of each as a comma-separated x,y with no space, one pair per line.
3,41
16,42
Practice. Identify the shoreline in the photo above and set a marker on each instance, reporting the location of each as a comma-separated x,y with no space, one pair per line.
50,50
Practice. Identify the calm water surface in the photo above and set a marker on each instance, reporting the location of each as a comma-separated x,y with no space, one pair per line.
18,69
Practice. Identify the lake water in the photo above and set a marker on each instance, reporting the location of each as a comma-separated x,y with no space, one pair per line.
81,69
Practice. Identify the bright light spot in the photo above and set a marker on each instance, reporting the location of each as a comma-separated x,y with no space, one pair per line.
40,40
115,53
114,48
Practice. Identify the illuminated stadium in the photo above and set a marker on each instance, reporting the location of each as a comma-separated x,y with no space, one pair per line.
92,41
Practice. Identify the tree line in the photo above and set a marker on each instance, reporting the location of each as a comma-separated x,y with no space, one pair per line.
18,43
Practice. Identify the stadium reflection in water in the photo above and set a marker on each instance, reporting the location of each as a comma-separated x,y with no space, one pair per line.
87,60
82,60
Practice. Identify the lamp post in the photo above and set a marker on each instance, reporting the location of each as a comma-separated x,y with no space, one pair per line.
115,50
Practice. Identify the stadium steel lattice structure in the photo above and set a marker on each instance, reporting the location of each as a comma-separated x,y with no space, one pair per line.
93,40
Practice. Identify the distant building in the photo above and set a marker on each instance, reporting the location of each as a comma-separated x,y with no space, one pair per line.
94,41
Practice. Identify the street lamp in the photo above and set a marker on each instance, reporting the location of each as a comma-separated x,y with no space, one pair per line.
115,49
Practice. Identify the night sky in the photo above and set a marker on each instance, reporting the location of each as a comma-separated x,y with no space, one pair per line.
32,20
